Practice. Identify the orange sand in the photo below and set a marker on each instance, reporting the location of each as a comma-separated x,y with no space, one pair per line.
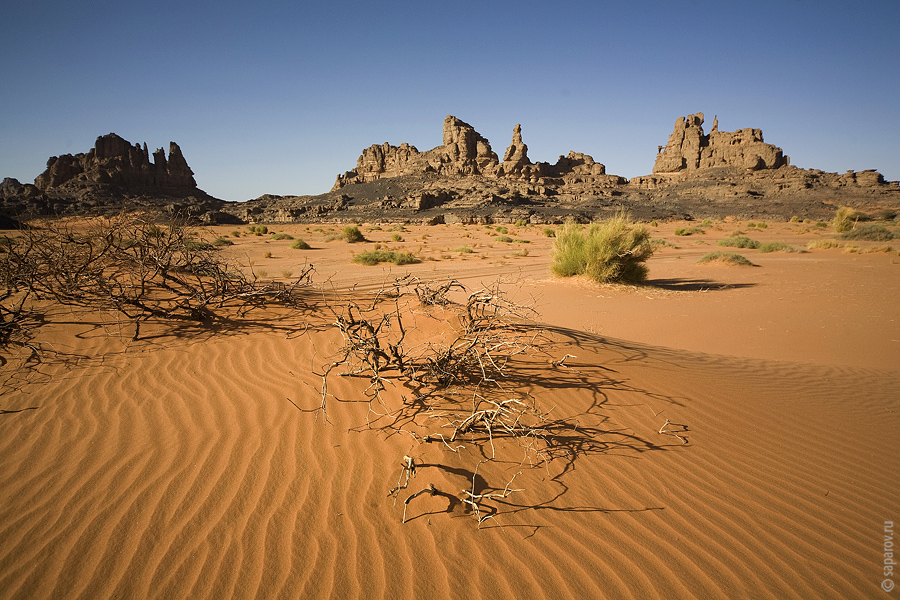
190,464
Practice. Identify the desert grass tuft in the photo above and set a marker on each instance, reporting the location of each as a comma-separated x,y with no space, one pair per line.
614,250
779,247
738,241
352,234
845,219
689,230
868,232
823,244
549,232
281,236
373,257
728,258
299,244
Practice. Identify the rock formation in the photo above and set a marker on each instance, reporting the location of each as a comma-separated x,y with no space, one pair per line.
689,149
115,162
112,175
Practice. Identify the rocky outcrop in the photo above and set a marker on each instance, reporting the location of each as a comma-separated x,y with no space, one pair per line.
114,162
464,152
689,149
112,176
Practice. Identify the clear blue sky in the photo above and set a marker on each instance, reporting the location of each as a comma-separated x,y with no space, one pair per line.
279,97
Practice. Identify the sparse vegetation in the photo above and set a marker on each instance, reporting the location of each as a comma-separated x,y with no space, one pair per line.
281,236
221,241
696,229
521,223
549,232
611,251
258,229
738,242
299,244
868,232
728,258
501,229
373,257
823,244
352,234
464,250
661,243
779,247
845,219
396,237
504,238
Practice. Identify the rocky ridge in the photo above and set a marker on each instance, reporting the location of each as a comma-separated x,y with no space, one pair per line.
463,180
113,175
717,174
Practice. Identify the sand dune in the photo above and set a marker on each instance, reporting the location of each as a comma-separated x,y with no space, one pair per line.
192,464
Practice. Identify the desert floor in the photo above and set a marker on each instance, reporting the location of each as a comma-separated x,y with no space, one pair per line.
193,463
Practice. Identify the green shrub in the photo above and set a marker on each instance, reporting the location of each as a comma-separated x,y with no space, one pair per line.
869,232
761,225
397,237
612,250
236,233
794,219
660,243
549,232
299,244
373,257
504,238
258,229
706,223
222,242
193,245
282,236
501,229
821,224
845,219
521,223
352,234
738,241
730,258
518,241
464,250
654,223
689,230
776,247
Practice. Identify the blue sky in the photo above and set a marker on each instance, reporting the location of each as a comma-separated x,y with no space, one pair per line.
279,97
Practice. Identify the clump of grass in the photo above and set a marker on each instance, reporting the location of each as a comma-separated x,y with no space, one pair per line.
352,234
654,223
881,248
504,238
549,232
661,243
396,237
778,247
689,230
518,241
287,274
521,223
869,232
609,251
501,229
845,219
194,245
375,228
236,233
823,245
794,219
821,224
398,227
738,241
282,236
258,229
464,250
299,244
222,242
728,258
267,255
522,252
373,257
706,223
